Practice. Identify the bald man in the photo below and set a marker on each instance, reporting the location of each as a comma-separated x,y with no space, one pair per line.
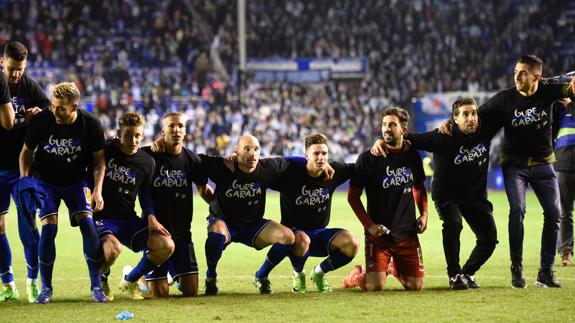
236,212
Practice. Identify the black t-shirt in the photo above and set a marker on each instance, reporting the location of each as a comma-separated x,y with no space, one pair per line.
25,95
172,190
388,183
527,123
461,162
125,177
64,151
4,90
240,198
305,200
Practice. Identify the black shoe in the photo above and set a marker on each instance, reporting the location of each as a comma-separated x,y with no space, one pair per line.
517,278
458,282
547,279
471,283
263,284
211,286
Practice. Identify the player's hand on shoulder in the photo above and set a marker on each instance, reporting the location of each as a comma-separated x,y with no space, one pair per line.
159,145
328,173
446,128
230,161
379,148
30,113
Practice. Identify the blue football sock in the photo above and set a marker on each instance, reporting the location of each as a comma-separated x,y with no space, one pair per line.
143,267
276,254
92,250
31,255
5,260
335,260
214,248
298,263
47,253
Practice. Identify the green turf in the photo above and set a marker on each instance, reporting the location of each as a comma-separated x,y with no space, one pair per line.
239,301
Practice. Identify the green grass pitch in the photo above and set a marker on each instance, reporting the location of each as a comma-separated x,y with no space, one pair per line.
240,301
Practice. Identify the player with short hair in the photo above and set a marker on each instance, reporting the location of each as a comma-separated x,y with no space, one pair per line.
27,100
305,208
236,213
524,112
129,172
67,141
394,186
171,188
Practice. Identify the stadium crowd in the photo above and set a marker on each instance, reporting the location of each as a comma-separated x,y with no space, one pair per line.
127,55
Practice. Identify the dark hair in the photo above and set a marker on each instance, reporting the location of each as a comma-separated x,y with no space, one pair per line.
16,51
532,61
315,138
461,102
401,113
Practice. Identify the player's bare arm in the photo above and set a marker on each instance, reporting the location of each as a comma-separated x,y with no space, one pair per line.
99,171
7,116
420,197
206,192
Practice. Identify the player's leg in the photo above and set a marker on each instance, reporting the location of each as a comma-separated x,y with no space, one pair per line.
567,195
112,248
158,281
282,238
341,247
47,256
515,181
409,263
183,267
29,237
546,188
479,216
9,291
450,216
159,249
298,257
377,258
218,238
46,245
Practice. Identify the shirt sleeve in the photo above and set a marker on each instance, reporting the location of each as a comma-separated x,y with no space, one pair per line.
428,141
145,194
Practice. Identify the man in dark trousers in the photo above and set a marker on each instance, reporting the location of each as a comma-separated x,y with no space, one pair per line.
564,113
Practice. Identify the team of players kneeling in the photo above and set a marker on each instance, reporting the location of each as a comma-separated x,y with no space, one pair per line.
69,144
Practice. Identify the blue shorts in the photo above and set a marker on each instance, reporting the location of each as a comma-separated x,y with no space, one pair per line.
320,240
132,233
243,234
77,197
181,262
8,185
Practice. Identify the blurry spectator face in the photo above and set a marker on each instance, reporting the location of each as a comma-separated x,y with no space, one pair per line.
466,119
317,158
64,110
174,130
130,138
525,77
248,151
392,131
13,69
